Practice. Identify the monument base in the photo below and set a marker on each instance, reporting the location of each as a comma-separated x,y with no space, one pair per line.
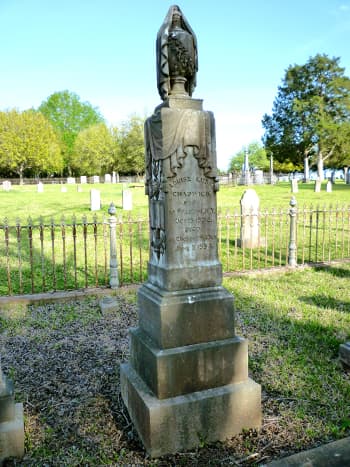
180,423
12,436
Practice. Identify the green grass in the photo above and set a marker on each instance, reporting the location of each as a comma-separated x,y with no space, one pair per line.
24,201
294,322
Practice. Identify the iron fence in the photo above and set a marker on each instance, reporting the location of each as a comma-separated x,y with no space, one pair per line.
68,255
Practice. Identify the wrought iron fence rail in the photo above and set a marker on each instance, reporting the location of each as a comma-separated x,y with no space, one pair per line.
41,256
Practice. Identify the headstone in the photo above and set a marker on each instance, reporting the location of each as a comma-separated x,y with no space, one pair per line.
108,178
127,200
294,185
258,177
245,169
329,187
6,185
114,178
70,180
250,231
11,422
344,354
317,188
95,200
40,187
83,179
95,179
188,371
63,189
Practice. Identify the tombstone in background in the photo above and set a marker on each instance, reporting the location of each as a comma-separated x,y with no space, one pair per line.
70,180
79,189
187,377
114,178
95,200
6,185
95,179
245,169
63,189
259,177
83,179
108,178
294,185
40,187
317,188
127,199
250,226
11,421
329,187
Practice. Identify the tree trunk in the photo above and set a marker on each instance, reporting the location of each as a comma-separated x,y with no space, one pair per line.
320,166
20,173
306,169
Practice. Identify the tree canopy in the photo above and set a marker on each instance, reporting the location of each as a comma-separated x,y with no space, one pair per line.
257,157
68,115
131,156
311,114
28,142
94,150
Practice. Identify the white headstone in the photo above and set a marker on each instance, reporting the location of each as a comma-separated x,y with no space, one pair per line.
40,187
79,189
250,234
6,185
63,189
70,180
108,178
329,187
127,200
258,177
294,185
317,186
114,178
83,179
95,179
95,200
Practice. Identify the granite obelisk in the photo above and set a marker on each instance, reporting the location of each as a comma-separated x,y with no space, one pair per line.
187,378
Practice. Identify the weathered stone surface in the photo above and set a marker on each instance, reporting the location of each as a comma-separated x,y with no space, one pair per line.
187,378
178,318
182,370
12,435
250,225
180,423
344,354
108,304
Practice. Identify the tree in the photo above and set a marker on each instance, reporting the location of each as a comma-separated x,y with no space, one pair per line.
93,151
131,156
311,107
28,141
69,116
257,158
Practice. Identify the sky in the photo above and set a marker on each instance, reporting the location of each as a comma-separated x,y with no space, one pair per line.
104,51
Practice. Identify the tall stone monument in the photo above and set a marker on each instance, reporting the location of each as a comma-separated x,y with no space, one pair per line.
187,378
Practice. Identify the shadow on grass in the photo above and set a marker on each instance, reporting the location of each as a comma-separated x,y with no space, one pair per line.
327,302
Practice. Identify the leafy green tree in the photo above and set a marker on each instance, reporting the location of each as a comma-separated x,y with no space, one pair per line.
311,107
93,151
28,142
131,155
257,158
69,116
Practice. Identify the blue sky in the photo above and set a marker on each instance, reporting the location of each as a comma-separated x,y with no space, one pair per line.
104,50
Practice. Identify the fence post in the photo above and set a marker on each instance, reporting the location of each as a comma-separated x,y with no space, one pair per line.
113,264
292,259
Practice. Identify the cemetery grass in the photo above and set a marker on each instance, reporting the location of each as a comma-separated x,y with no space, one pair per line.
24,201
64,359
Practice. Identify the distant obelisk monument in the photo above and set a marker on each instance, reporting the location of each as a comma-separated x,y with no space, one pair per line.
187,378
